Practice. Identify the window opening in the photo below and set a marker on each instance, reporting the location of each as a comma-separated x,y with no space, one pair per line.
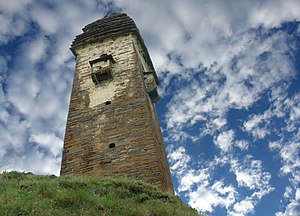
102,68
111,145
101,75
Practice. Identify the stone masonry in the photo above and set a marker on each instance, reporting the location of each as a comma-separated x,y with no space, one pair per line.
112,127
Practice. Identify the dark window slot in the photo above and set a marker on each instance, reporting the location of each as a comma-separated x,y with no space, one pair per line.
112,145
101,75
107,102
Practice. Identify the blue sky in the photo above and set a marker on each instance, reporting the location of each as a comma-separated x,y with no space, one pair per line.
230,81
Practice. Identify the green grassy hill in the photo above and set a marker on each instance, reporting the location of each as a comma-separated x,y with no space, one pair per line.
28,194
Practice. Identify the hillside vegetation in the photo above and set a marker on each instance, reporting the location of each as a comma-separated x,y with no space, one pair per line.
29,194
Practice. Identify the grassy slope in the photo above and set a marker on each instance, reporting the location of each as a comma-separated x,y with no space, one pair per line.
28,194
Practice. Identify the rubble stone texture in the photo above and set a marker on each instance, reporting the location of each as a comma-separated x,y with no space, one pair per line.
112,127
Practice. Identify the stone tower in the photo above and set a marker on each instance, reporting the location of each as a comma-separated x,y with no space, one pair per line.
112,127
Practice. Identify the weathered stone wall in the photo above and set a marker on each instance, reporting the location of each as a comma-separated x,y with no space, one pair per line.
112,128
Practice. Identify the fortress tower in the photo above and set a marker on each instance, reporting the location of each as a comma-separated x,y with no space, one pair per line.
112,127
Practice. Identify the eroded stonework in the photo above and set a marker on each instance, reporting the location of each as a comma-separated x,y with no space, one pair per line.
112,127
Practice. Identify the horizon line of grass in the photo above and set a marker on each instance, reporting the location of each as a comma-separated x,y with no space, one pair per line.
28,194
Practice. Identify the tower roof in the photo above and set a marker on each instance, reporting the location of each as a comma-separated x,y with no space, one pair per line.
112,25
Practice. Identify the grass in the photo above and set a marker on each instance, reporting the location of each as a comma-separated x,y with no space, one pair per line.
28,194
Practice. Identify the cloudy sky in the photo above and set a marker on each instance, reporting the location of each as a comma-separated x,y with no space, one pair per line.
230,87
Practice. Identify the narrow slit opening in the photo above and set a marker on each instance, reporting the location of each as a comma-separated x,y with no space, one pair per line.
111,145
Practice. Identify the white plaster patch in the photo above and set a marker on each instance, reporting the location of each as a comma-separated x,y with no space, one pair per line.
101,94
122,50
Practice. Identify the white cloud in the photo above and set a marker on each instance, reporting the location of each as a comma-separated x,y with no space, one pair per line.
210,52
48,141
242,208
36,49
203,192
242,144
273,12
253,122
47,18
4,115
249,173
14,6
13,134
288,192
274,146
214,21
237,82
191,178
291,160
13,14
179,160
205,198
291,108
225,140
37,87
293,207
23,89
34,161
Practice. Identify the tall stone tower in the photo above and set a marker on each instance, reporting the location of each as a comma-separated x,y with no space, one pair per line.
112,127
